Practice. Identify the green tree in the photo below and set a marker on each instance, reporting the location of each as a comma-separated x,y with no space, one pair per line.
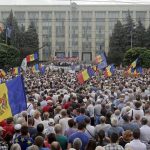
140,35
31,43
147,44
116,45
9,56
138,52
11,22
129,31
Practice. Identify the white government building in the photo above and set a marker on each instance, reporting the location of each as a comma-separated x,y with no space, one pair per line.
91,26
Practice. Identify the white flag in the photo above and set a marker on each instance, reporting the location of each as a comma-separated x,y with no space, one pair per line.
24,64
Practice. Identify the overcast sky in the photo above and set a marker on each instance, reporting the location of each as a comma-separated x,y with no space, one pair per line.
64,2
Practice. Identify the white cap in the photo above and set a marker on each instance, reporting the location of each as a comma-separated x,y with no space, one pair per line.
51,122
17,126
84,100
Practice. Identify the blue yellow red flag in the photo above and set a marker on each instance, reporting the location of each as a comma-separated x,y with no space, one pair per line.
134,63
90,71
12,98
109,71
85,75
35,68
16,70
80,78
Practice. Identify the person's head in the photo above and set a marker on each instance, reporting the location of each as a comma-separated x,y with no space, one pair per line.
55,146
77,144
82,110
9,120
99,148
126,118
17,128
30,121
81,126
51,122
136,133
64,113
114,137
40,128
101,135
15,147
114,121
35,104
24,130
102,119
37,114
71,123
137,104
51,138
91,145
58,129
144,121
117,112
127,135
87,120
137,117
46,116
39,141
33,147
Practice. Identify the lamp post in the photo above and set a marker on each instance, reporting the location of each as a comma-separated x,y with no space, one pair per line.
131,34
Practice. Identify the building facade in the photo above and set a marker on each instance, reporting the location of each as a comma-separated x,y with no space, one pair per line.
74,30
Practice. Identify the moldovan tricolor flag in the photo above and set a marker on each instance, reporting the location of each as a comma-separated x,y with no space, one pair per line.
12,98
32,57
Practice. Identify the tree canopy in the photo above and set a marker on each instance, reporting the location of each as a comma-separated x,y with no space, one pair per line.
124,38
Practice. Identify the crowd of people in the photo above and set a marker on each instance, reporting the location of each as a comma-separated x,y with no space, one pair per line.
101,114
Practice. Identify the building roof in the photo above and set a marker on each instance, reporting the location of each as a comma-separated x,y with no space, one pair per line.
79,2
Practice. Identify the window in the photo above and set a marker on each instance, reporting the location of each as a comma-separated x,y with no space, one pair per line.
20,16
141,15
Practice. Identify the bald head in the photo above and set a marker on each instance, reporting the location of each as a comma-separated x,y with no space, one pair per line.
55,146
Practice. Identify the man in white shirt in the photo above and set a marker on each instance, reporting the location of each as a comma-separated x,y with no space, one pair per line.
145,132
64,121
90,130
102,126
90,110
136,144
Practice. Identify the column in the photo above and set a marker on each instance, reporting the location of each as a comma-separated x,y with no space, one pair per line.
134,16
120,16
26,20
147,19
106,33
66,34
40,37
53,34
80,36
93,35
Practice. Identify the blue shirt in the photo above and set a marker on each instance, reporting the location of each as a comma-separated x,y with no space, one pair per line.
118,130
80,118
82,136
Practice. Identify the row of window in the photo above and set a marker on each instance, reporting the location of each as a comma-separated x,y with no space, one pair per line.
85,15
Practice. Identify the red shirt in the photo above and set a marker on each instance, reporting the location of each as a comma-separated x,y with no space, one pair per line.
67,105
9,129
47,108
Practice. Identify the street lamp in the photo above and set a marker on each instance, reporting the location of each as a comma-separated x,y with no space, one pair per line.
131,38
131,34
